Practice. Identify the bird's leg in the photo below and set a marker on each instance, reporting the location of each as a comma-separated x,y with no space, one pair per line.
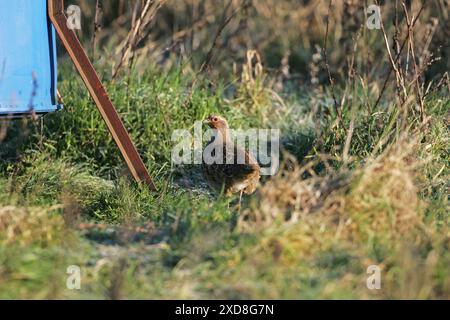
240,199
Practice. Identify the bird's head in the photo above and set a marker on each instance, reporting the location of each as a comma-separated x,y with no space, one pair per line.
216,122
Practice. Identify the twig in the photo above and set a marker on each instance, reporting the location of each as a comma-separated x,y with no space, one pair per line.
417,75
383,88
444,81
225,21
60,98
348,141
398,77
206,63
134,36
327,67
97,26
129,44
181,35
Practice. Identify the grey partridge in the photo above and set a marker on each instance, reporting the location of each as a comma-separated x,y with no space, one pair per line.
229,175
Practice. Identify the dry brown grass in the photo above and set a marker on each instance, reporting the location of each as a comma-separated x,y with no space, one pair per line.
181,33
378,199
374,199
385,200
371,215
30,225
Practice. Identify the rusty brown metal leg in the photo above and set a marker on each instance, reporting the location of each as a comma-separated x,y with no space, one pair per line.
98,93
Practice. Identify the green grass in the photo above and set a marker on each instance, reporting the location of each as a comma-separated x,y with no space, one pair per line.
183,242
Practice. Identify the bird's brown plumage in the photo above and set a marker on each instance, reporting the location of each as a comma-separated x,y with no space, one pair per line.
230,176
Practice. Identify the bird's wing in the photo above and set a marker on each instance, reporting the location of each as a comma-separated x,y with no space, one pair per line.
231,169
238,170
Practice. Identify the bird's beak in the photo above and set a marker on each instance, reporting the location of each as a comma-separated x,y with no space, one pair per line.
206,121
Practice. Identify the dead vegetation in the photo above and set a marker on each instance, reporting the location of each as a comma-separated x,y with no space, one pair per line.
378,197
364,180
30,225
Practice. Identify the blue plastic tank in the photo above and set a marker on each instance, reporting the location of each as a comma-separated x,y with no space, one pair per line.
28,71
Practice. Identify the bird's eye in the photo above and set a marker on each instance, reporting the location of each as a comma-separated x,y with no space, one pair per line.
215,119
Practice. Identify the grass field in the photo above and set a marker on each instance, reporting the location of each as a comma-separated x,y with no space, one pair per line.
367,187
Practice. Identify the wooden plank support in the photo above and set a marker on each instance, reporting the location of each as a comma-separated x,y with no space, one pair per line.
98,93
